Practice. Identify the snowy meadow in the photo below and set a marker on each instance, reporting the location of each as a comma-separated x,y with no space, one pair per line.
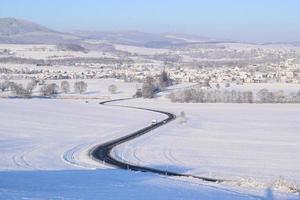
45,147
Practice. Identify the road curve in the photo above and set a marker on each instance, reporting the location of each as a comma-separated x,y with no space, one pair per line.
102,152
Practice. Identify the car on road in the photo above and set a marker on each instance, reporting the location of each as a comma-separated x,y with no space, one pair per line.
154,122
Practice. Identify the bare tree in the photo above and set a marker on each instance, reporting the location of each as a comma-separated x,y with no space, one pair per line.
182,118
65,86
31,86
49,90
248,97
298,96
4,86
148,90
187,96
164,79
138,93
264,96
19,91
80,87
112,89
278,96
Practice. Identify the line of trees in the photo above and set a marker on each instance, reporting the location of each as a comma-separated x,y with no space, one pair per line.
46,90
193,95
20,91
65,87
266,96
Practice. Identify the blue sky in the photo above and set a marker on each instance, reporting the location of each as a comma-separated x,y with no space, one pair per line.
244,20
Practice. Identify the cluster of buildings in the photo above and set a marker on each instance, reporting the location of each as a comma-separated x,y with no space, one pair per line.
252,74
287,73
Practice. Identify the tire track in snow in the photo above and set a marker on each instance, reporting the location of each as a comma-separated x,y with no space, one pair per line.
20,161
16,161
136,156
169,156
70,156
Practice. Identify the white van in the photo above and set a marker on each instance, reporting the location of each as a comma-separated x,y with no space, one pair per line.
154,122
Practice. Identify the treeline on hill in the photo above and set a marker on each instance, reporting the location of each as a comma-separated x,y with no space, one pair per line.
63,61
198,95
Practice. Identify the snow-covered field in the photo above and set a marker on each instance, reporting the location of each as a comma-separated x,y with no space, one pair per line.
49,52
230,141
44,147
42,134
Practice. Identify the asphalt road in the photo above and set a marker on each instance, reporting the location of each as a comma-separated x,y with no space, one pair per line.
102,152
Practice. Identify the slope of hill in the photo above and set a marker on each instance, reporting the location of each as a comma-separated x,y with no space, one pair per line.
21,31
12,26
187,37
135,38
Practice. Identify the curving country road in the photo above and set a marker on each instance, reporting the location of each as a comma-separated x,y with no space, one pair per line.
102,152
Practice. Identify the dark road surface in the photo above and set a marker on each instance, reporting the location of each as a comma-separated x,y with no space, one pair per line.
101,153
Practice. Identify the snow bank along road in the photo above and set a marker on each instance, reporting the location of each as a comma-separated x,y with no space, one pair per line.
102,152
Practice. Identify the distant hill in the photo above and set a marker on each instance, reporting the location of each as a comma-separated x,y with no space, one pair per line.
21,31
296,43
12,26
188,37
136,38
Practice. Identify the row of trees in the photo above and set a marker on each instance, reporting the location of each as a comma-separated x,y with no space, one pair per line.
21,91
232,96
47,90
81,87
266,96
